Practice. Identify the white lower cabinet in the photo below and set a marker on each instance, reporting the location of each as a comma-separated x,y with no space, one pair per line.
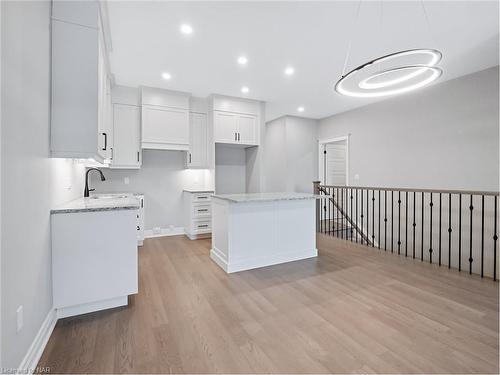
94,260
198,214
126,150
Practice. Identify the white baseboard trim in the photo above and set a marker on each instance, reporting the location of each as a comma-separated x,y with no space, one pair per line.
176,231
251,263
85,308
35,351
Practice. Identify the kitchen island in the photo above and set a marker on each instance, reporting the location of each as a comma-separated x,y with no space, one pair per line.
261,229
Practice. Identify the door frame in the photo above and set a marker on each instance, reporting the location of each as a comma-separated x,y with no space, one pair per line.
321,144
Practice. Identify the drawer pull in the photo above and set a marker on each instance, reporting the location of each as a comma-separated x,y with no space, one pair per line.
203,197
203,226
203,210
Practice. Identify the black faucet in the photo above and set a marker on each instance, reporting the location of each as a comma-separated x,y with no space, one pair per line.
87,190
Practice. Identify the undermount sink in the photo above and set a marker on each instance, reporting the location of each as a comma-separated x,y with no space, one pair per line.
108,196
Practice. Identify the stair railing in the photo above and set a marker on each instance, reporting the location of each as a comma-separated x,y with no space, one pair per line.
453,228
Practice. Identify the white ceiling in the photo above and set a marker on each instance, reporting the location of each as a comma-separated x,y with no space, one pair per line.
310,36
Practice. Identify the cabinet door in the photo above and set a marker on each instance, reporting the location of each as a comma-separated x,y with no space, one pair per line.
165,128
126,136
247,129
198,141
225,127
103,136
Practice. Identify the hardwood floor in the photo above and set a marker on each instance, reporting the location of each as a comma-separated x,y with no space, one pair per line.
353,309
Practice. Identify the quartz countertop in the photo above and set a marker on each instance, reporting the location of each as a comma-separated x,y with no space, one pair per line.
263,197
197,191
99,202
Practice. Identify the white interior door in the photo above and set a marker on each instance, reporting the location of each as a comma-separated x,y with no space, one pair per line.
335,163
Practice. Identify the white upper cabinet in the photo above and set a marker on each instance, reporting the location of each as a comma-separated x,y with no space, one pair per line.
80,105
197,157
236,121
165,119
126,137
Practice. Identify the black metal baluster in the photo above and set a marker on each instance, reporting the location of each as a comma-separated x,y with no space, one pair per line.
373,218
471,208
379,219
361,234
495,237
399,222
440,217
460,232
406,225
385,221
392,221
341,213
414,221
482,235
422,236
351,215
357,215
329,212
367,216
449,230
430,231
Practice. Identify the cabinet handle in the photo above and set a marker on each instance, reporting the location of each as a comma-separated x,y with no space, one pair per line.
189,158
238,136
202,197
138,156
142,203
105,141
112,152
138,228
203,210
235,137
203,226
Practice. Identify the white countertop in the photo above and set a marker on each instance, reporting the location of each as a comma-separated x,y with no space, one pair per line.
262,197
99,202
197,191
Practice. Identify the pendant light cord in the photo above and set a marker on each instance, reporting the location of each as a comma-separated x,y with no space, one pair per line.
433,40
350,40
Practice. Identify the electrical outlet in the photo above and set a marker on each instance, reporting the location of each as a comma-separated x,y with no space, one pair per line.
20,318
171,227
126,180
156,230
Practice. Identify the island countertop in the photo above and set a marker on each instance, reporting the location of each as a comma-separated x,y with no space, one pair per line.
99,202
263,197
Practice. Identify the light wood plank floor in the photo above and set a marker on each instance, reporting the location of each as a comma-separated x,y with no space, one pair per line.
353,309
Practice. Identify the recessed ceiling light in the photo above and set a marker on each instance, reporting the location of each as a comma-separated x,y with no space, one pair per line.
289,70
242,60
301,109
186,29
244,90
166,76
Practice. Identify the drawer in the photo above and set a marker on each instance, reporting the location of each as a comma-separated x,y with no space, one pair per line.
202,226
201,197
202,210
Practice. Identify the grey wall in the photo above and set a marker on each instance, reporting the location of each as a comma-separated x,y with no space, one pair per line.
230,169
291,154
161,178
31,183
444,136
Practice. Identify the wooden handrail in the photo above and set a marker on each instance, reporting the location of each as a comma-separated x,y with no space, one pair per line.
464,192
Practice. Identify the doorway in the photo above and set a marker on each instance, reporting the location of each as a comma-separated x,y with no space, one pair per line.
334,161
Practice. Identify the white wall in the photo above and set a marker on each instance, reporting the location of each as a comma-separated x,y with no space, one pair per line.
161,179
444,136
31,182
290,154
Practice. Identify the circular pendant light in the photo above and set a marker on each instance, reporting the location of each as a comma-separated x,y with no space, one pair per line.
392,74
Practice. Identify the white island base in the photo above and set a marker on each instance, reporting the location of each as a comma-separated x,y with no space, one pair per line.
257,230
